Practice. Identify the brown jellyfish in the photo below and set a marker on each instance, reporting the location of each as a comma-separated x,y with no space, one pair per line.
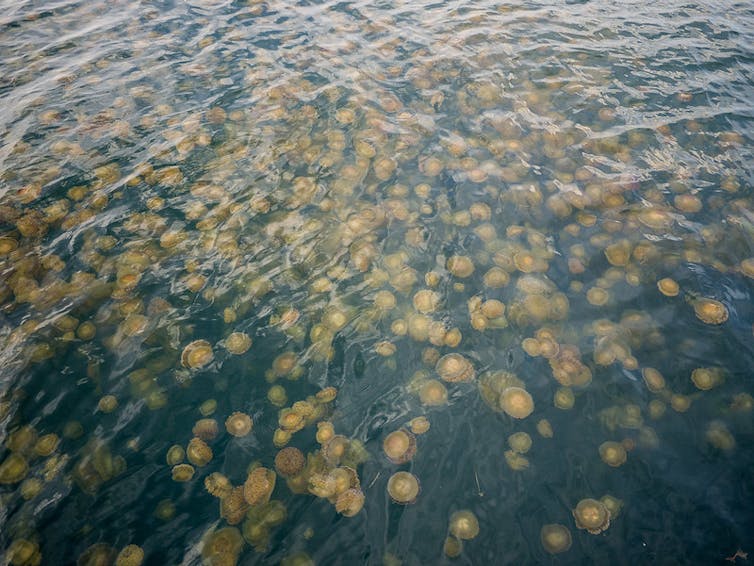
258,486
591,515
325,432
335,449
668,287
520,442
98,553
289,462
107,404
706,378
555,538
13,469
350,502
399,446
612,453
710,311
218,485
238,343
175,455
454,368
419,425
653,379
239,424
131,555
46,444
516,402
403,488
198,452
452,547
460,265
206,429
464,525
197,354
183,472
233,507
433,393
222,546
322,484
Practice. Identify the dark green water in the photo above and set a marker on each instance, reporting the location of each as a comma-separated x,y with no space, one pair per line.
309,175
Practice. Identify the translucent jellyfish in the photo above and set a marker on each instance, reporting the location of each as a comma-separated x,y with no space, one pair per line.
613,453
197,354
258,486
403,488
198,452
399,446
238,343
454,368
350,502
516,402
591,515
289,462
433,393
239,424
555,538
464,525
710,311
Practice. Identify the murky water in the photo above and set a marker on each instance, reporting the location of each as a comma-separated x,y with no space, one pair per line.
505,251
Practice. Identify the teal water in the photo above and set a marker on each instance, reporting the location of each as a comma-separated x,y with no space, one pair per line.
561,193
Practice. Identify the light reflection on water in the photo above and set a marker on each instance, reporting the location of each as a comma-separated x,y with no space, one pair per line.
180,171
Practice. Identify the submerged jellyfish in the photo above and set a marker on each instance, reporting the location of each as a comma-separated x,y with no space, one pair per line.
403,488
198,452
350,502
289,462
238,343
710,311
464,525
591,515
13,469
399,446
516,402
555,538
612,453
454,368
239,424
197,354
258,486
131,555
433,393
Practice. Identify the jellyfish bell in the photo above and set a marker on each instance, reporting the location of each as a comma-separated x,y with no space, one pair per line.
454,368
198,452
516,402
399,446
206,429
239,424
197,354
131,555
289,462
706,378
350,502
612,453
403,488
591,515
258,486
238,343
555,538
433,393
668,287
710,311
218,485
464,525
